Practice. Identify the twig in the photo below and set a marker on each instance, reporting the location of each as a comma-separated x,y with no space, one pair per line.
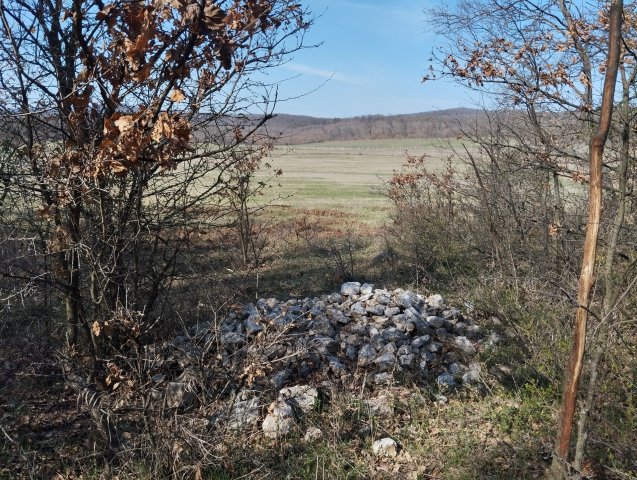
7,435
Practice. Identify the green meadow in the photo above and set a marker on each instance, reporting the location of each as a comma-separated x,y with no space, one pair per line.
345,175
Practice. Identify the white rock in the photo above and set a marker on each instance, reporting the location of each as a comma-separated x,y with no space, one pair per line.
279,422
436,301
380,405
471,377
441,399
245,411
303,396
385,447
350,288
464,345
312,434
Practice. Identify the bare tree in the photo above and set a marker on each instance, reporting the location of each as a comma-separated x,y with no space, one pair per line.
119,125
596,154
549,64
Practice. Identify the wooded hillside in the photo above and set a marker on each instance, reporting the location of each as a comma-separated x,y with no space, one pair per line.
299,129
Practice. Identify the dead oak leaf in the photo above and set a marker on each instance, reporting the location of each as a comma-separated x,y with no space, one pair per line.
177,95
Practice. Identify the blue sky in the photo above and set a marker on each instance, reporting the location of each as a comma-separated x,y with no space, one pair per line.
375,52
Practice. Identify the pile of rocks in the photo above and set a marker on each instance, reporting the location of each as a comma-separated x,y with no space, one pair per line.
359,336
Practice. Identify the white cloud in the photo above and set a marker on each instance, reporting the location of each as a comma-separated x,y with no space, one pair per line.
320,72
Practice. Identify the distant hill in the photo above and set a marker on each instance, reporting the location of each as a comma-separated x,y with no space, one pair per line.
299,129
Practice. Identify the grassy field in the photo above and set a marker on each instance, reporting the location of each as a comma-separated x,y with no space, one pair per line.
346,176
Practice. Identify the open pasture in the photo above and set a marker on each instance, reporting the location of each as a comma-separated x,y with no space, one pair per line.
346,175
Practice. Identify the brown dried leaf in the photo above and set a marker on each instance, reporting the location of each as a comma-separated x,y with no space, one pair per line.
124,123
118,168
177,95
96,328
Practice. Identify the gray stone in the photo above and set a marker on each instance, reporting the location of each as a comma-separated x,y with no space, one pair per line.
321,326
404,350
355,340
384,378
350,288
380,405
382,322
358,309
405,326
252,327
406,360
471,377
460,328
386,360
178,394
474,332
333,298
456,368
391,311
338,316
429,356
376,309
324,345
406,299
452,313
351,353
475,366
279,422
436,322
441,399
392,334
433,347
383,298
492,340
442,333
421,341
312,434
245,411
232,339
423,328
279,378
336,367
451,357
446,380
366,355
436,301
366,288
385,447
284,321
464,345
358,328
412,315
301,396
423,366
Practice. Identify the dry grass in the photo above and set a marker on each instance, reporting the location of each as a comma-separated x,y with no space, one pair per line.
345,176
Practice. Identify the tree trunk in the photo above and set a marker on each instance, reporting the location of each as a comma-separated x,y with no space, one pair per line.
612,285
558,468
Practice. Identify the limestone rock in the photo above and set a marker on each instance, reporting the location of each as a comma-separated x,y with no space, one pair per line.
350,288
385,447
